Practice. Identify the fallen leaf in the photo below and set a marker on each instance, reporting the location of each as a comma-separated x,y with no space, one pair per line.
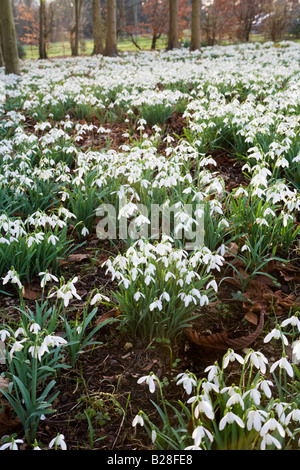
30,293
8,425
221,342
4,383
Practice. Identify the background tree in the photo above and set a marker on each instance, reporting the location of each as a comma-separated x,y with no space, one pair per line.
278,17
74,32
218,21
173,38
154,13
245,12
111,29
42,30
8,38
97,28
195,25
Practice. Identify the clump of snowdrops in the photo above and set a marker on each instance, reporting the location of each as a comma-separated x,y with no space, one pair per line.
257,408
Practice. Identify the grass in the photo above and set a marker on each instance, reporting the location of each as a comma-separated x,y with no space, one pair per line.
62,48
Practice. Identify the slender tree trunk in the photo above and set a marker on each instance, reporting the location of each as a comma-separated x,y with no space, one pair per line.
42,30
9,38
97,33
173,25
111,29
195,29
76,31
1,55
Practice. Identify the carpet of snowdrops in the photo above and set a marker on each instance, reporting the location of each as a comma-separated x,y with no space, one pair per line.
216,132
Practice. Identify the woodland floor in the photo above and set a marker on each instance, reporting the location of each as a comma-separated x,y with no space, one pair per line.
104,382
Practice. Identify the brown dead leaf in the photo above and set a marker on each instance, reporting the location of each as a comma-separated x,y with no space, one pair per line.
8,425
31,293
221,342
4,383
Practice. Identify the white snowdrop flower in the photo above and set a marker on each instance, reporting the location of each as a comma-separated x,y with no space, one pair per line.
258,359
150,380
269,440
156,304
231,356
47,277
271,425
187,381
58,441
212,284
138,420
296,351
255,419
138,295
276,333
35,328
283,363
199,433
230,418
293,320
4,334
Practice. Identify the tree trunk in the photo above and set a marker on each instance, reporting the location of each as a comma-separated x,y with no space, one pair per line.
195,29
1,55
111,29
97,33
173,25
42,30
9,38
76,31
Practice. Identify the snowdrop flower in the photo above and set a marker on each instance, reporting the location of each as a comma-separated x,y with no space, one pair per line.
12,445
213,372
47,277
265,387
230,418
276,333
269,440
293,320
199,433
156,304
13,277
17,346
212,284
296,352
98,298
271,425
258,360
4,334
255,419
294,415
35,328
59,440
230,357
138,420
150,380
138,295
187,381
203,406
283,363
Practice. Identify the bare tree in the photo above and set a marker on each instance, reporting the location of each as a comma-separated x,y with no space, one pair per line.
245,12
195,27
279,14
173,25
111,29
97,27
8,38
